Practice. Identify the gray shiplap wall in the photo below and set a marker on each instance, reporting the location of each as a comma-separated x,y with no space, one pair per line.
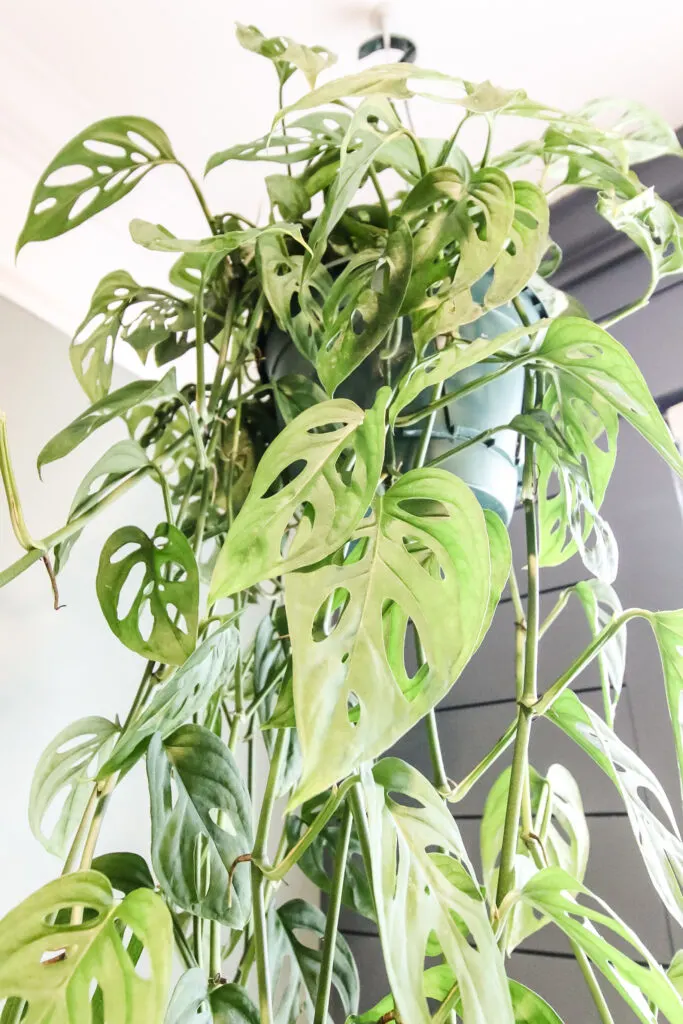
605,273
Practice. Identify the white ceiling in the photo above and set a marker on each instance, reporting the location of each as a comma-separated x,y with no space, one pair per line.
64,65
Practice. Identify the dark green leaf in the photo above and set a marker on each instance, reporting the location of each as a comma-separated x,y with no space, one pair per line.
168,591
230,1004
116,404
158,239
201,822
125,871
289,195
94,170
294,393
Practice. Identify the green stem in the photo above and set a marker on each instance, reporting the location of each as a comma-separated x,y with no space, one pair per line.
448,145
478,382
419,152
380,194
200,198
186,953
560,605
16,515
361,822
467,444
166,494
593,987
436,754
84,825
216,387
489,140
104,796
322,1001
428,430
460,791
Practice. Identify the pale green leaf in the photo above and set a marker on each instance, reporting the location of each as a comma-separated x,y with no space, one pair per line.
359,658
101,165
190,1000
556,894
201,822
294,393
63,969
318,443
601,604
138,392
501,563
312,135
645,133
422,895
158,239
68,763
289,195
668,630
168,591
675,972
286,54
528,241
186,692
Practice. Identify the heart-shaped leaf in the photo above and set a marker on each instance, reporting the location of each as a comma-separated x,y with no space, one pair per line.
299,963
352,692
201,822
333,456
158,239
524,249
186,693
67,764
554,893
94,170
65,970
649,811
286,54
168,591
138,392
362,306
423,895
125,871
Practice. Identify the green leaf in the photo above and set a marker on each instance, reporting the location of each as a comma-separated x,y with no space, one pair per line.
601,604
125,871
286,54
65,765
186,693
310,136
201,822
294,393
563,839
230,1004
421,894
675,972
168,591
359,660
529,1007
289,195
523,252
108,408
645,133
555,893
158,239
362,306
501,563
287,949
649,811
668,630
322,438
190,1000
56,966
583,350
93,171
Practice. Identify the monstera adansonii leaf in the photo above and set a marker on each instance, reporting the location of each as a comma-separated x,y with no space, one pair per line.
330,458
67,971
422,557
423,896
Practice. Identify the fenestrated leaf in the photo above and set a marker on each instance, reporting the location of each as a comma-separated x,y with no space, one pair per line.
68,763
300,963
61,969
359,660
159,239
189,1002
362,306
668,630
649,811
421,894
556,894
125,871
645,133
583,350
524,250
138,392
601,604
201,822
209,667
289,195
97,168
302,140
294,393
490,195
286,54
168,591
337,494
561,832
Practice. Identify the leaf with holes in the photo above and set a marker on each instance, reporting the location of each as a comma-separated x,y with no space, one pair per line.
523,252
64,777
649,811
299,964
559,837
169,585
362,306
125,871
201,822
286,54
303,140
584,351
358,661
94,170
64,970
675,972
423,896
210,667
332,454
119,402
601,604
642,985
645,133
668,630
158,239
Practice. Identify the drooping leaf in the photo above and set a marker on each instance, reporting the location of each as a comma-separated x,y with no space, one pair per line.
290,958
649,811
601,604
645,133
125,871
159,239
286,54
421,894
97,168
138,392
168,591
67,763
294,393
359,660
668,630
231,1004
362,306
289,195
524,250
313,135
61,969
327,486
190,1000
209,667
201,822
556,894
585,351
